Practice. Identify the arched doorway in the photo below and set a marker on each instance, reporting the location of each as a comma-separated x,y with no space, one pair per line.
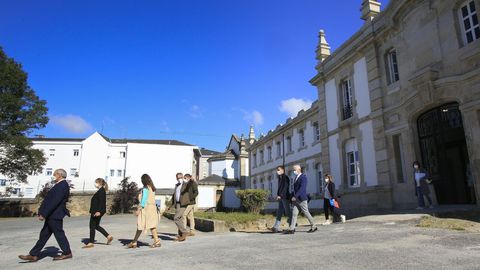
444,152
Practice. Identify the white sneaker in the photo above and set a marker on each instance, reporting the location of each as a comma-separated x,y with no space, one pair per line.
344,218
328,222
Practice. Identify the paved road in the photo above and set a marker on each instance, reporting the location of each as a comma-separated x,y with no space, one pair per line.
354,245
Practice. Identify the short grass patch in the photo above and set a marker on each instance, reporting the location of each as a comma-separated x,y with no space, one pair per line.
233,217
467,222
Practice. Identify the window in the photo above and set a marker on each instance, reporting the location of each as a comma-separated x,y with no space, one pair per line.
270,186
469,22
316,132
254,160
73,172
279,149
262,157
398,151
262,185
289,144
319,174
353,163
52,152
76,152
123,154
269,153
112,173
3,182
301,134
49,172
119,173
392,66
347,99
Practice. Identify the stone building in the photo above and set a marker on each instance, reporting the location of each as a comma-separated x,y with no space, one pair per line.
295,142
404,87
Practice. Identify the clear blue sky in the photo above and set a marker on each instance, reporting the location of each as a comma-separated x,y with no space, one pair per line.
194,70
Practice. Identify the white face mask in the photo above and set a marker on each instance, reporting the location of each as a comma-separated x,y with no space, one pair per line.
296,173
416,166
97,185
326,180
53,178
279,173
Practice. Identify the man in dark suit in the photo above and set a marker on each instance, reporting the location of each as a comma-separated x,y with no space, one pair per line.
52,211
300,200
283,197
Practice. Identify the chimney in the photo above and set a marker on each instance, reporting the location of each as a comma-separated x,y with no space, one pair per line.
370,9
323,50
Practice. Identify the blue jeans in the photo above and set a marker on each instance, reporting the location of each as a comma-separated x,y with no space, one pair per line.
284,207
421,202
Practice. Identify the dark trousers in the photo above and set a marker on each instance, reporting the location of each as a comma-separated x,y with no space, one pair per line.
55,227
421,202
95,225
327,207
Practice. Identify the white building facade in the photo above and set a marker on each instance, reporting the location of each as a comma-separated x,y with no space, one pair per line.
100,157
295,142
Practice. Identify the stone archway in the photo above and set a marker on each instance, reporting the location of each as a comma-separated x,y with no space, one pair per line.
444,152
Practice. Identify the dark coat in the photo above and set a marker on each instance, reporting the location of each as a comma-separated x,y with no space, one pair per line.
300,188
283,187
99,202
192,189
423,182
331,189
54,206
184,195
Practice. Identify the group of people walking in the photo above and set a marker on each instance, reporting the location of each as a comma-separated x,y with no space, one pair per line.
54,208
293,198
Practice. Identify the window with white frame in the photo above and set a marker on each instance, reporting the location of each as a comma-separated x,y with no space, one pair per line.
254,160
269,153
76,152
352,163
301,135
119,173
468,16
262,157
49,172
123,154
347,100
262,184
73,172
3,182
51,152
112,173
289,144
392,66
270,186
316,131
279,149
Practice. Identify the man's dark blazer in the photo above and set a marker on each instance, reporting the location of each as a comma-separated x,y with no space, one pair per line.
283,187
99,202
54,206
300,188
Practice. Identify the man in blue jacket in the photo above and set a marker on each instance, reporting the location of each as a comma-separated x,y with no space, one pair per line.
300,200
52,211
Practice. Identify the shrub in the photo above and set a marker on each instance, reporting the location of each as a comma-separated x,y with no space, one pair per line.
252,200
125,197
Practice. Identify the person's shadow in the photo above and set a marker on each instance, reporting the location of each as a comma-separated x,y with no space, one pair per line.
51,252
125,242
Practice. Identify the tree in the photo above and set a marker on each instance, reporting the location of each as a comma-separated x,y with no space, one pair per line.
125,197
21,112
252,200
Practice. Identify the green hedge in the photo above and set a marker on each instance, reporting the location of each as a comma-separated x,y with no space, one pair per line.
252,200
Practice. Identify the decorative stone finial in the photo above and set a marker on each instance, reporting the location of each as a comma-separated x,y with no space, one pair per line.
370,9
323,49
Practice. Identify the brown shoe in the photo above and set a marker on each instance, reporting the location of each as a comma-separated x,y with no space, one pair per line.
109,239
181,238
29,258
63,257
132,245
191,233
89,245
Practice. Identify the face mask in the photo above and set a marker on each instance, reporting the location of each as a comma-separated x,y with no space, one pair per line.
295,172
326,179
416,166
279,173
53,178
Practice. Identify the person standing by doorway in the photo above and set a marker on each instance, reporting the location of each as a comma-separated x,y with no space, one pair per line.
189,211
147,213
52,211
283,197
299,200
98,208
422,189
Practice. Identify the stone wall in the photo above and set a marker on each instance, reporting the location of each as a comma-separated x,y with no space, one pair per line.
79,205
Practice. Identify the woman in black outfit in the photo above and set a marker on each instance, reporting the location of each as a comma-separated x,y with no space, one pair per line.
97,210
329,194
